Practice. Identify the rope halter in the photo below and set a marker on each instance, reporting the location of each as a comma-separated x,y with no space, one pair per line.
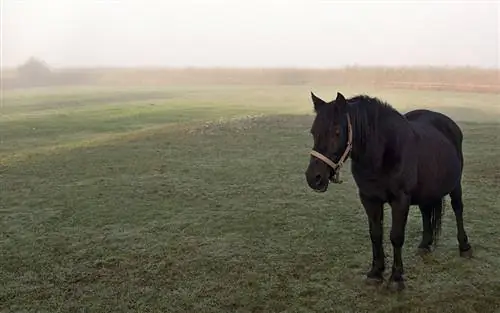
337,166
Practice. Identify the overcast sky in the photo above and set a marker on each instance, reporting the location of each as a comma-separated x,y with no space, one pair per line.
245,33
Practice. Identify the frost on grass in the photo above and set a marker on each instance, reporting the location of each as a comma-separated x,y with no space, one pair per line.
241,124
234,124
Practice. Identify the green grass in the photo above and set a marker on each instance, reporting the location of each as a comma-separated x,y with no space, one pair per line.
198,203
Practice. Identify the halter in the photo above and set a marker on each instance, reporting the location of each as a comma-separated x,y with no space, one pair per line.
342,159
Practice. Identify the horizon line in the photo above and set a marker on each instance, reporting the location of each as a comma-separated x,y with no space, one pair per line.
226,67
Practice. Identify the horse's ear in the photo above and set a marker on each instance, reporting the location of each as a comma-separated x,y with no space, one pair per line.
318,103
340,100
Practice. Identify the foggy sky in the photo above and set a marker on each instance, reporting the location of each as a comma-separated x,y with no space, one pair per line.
245,33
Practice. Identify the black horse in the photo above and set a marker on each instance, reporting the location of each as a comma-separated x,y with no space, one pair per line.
403,160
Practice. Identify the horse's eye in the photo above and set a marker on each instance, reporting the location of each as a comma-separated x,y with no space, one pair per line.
337,131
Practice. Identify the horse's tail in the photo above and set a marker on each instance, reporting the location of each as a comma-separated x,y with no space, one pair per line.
436,215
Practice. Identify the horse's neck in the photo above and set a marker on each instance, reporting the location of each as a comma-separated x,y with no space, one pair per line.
369,148
368,155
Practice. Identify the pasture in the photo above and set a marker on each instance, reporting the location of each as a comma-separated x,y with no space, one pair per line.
193,199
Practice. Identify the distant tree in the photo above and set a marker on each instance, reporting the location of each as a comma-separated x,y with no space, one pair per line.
34,70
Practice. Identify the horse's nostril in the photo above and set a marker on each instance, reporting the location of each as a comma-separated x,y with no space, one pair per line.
318,179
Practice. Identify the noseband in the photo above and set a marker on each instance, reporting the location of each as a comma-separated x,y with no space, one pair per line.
336,166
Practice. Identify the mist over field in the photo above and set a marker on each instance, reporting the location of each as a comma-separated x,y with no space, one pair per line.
152,154
158,40
244,33
427,44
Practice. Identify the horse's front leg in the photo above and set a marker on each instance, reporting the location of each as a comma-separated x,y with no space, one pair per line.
400,206
375,212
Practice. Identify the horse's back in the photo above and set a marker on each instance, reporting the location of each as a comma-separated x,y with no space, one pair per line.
444,124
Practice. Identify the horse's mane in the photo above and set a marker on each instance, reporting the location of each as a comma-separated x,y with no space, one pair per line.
366,114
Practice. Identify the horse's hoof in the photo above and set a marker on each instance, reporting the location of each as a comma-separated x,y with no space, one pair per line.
396,286
374,281
423,251
467,253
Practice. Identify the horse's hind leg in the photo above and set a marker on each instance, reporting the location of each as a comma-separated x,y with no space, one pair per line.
457,205
427,236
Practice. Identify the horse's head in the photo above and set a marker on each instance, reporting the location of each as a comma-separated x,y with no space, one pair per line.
332,134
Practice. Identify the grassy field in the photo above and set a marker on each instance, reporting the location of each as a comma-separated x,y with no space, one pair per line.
193,199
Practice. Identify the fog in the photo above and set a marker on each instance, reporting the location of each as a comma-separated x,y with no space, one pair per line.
250,33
